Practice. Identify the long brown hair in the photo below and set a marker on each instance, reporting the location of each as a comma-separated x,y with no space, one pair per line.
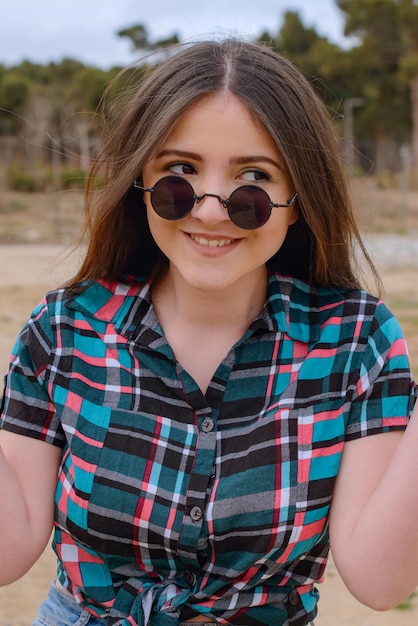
320,247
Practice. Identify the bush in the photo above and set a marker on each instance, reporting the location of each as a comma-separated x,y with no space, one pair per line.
73,179
18,180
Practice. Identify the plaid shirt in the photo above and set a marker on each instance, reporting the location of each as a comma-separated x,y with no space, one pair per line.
170,502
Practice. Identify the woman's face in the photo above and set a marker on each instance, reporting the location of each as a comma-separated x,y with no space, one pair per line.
216,146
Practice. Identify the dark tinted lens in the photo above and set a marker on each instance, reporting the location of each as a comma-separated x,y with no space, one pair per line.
172,198
249,207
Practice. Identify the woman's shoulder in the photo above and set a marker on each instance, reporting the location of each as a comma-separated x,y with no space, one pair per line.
313,306
98,301
98,298
320,296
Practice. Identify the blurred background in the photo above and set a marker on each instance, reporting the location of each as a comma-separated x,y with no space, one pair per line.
58,59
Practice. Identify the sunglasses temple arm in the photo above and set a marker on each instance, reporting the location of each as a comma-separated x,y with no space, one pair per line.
289,203
137,185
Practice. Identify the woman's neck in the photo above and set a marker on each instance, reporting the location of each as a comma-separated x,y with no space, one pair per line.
234,307
201,326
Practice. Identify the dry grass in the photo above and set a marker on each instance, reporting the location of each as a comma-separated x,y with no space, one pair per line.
385,210
36,217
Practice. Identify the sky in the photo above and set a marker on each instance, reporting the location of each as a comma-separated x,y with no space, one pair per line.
86,30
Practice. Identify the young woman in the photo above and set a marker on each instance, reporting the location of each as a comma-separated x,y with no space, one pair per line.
213,377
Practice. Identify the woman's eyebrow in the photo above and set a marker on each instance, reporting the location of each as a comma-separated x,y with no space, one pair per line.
179,153
241,160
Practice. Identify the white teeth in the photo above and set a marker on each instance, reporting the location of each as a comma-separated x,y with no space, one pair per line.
212,243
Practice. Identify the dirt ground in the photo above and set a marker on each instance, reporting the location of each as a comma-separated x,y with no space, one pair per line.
27,270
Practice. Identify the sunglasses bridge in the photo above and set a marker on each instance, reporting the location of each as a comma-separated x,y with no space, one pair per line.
199,199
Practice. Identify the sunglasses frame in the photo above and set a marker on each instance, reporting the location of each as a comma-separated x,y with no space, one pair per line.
224,201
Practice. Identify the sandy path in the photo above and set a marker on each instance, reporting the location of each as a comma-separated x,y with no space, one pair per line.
26,272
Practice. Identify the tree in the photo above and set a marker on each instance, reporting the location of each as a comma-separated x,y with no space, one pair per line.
140,40
324,63
137,35
75,92
14,93
409,65
381,27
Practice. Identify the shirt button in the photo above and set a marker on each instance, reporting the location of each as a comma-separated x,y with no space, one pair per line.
208,425
196,513
293,598
190,578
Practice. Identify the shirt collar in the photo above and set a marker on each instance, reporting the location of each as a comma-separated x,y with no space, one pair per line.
292,307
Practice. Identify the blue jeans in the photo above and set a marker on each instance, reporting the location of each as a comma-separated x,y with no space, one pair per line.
60,609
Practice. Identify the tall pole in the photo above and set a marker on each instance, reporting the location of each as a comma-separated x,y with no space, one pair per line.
349,105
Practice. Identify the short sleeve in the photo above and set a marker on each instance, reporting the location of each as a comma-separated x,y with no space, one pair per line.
27,408
384,393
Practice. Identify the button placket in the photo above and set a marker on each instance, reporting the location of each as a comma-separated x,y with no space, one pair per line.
200,481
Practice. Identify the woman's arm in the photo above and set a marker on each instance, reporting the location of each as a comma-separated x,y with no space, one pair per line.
28,471
374,517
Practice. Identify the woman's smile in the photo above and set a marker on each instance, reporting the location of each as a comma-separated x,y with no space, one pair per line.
211,243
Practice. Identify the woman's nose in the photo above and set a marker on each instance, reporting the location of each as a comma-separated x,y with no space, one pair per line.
209,208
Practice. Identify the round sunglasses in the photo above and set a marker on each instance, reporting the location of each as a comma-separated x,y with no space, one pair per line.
249,207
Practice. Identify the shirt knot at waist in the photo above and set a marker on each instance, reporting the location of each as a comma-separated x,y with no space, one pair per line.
142,601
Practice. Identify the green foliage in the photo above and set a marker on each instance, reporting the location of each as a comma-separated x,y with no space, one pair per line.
384,63
32,73
294,38
14,93
380,68
137,34
322,61
172,40
73,179
409,66
139,38
408,604
18,180
86,88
